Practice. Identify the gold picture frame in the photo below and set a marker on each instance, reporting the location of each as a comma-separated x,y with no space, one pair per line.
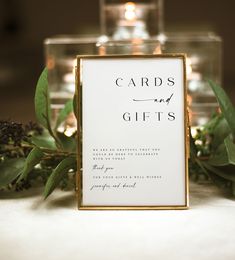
79,176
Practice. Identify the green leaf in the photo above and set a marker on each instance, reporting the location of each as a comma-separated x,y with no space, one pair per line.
69,144
42,104
34,157
10,169
225,154
226,106
223,174
44,141
220,157
64,113
212,123
221,182
230,147
42,101
220,132
58,173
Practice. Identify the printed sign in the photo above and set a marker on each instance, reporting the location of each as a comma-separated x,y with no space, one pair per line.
132,132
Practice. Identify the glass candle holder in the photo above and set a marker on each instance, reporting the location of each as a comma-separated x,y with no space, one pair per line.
60,56
129,47
123,19
204,62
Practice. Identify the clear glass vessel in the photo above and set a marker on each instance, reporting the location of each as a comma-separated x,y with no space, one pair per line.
123,19
60,56
129,47
204,62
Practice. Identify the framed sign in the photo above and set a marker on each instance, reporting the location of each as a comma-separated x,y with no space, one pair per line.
133,132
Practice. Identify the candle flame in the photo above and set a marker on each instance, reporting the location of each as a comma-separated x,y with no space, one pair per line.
130,13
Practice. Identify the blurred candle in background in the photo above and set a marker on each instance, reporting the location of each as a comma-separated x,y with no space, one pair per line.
125,20
204,62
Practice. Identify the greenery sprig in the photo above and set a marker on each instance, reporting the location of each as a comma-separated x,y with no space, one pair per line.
212,150
38,152
45,155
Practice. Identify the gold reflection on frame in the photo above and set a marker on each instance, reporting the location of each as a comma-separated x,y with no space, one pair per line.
79,188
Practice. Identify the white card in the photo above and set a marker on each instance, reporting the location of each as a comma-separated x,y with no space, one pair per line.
134,130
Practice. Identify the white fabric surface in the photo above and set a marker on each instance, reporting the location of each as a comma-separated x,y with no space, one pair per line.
56,230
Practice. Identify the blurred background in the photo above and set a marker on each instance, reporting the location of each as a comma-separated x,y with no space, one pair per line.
24,24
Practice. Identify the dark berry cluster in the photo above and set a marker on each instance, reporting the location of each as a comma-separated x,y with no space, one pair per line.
11,132
33,127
